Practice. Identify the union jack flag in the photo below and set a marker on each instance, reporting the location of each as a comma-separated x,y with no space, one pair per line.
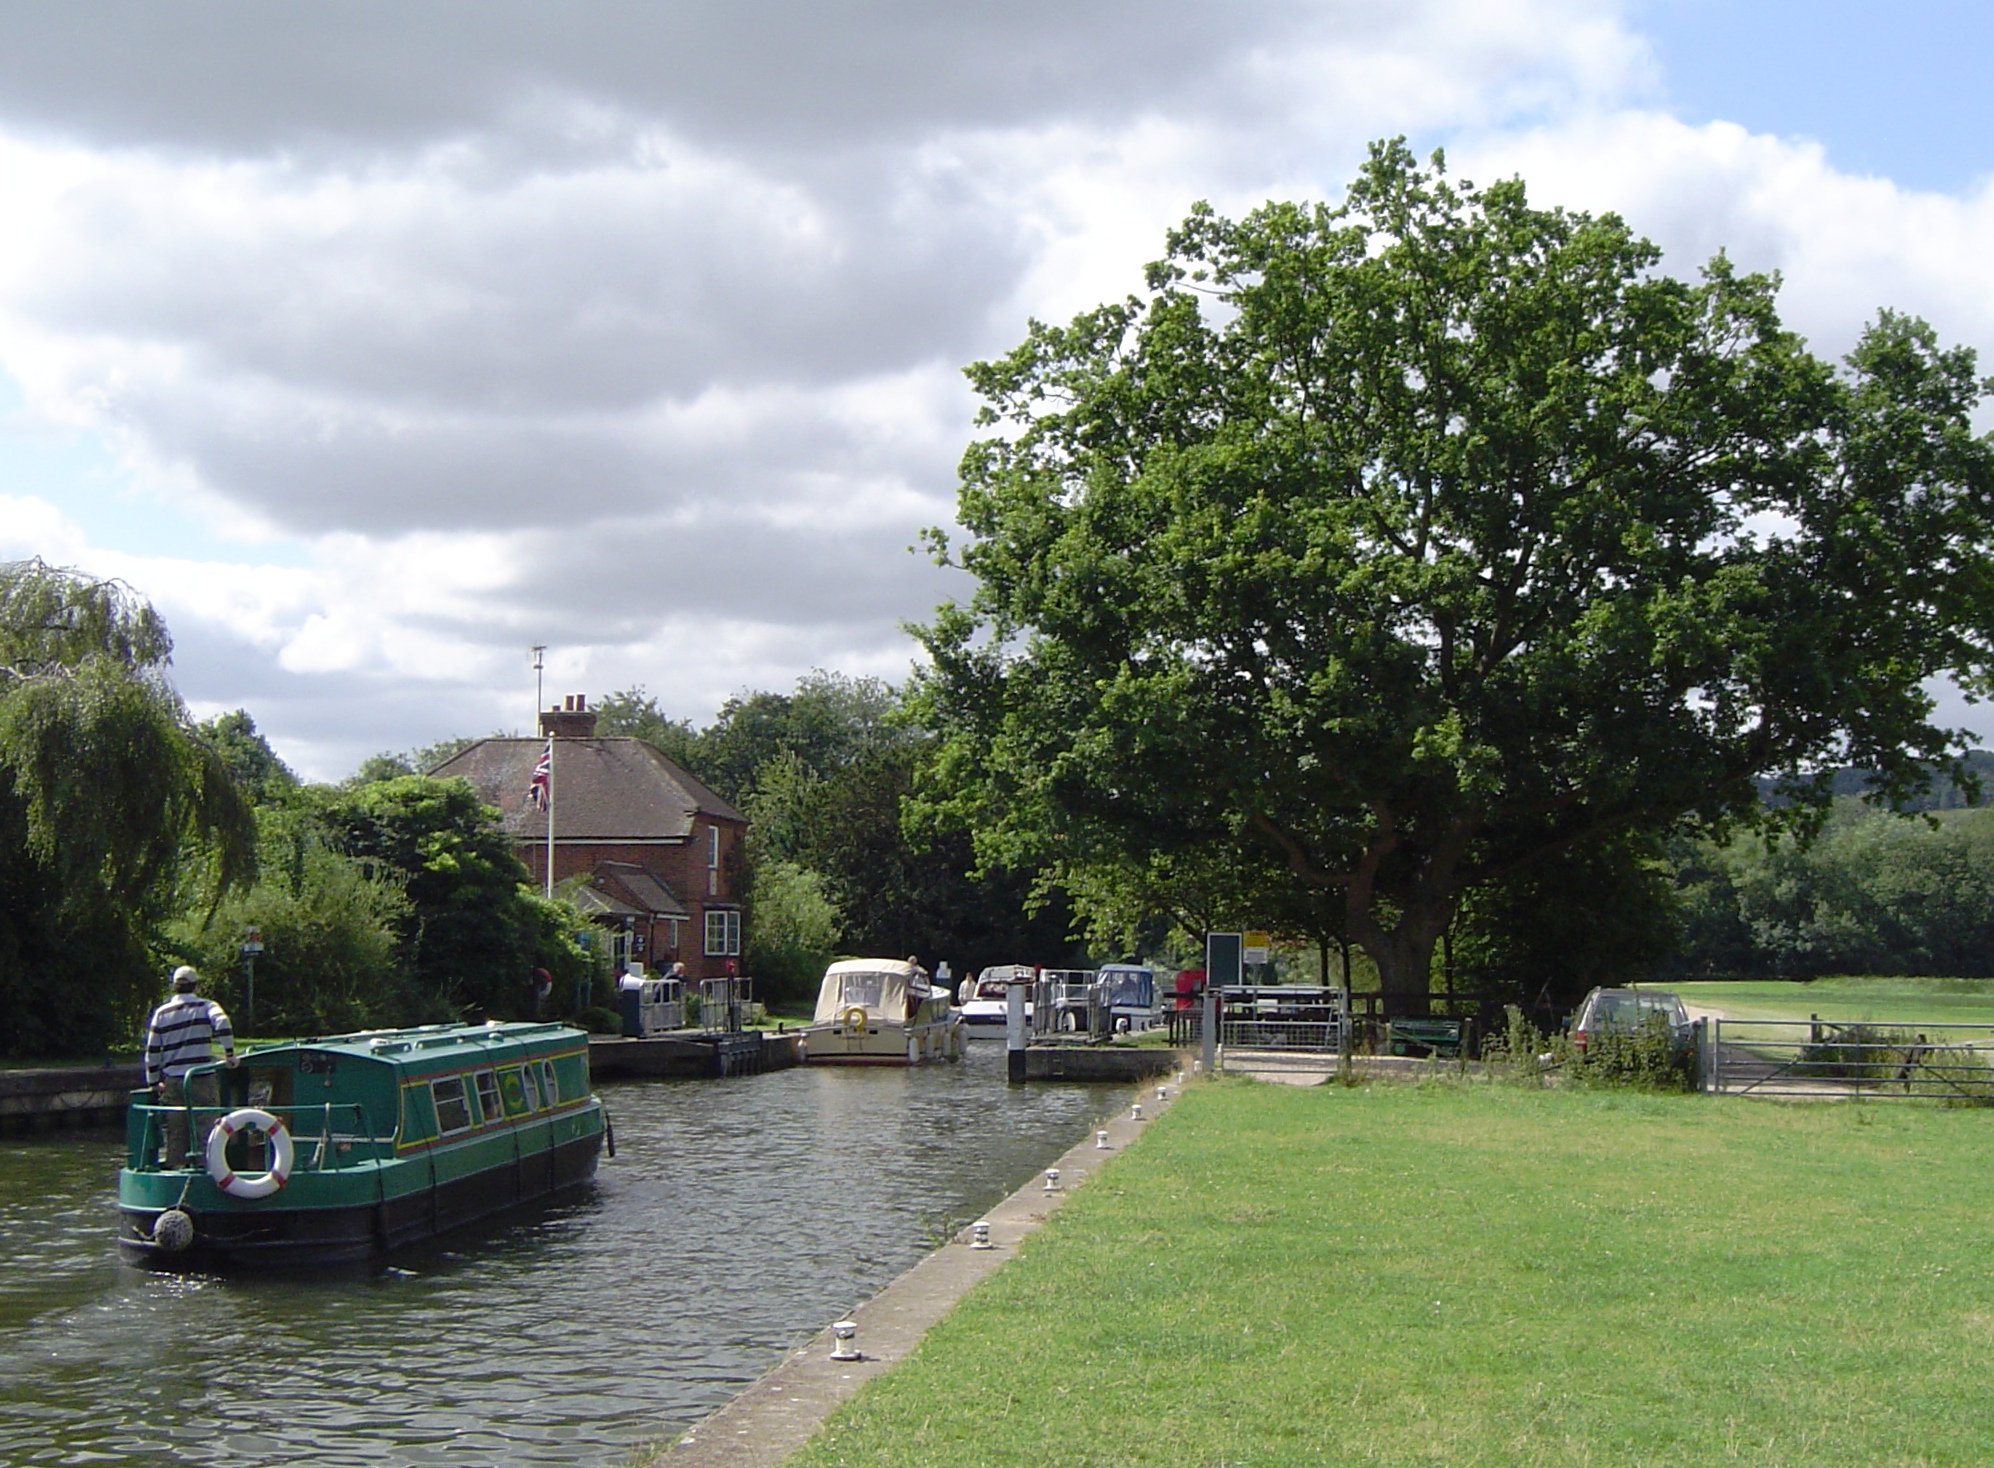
540,789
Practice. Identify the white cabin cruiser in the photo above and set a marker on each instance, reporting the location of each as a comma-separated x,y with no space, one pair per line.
881,1011
986,1006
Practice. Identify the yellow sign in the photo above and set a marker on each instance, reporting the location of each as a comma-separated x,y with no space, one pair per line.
1253,947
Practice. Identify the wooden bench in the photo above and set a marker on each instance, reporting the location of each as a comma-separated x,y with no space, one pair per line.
1419,1037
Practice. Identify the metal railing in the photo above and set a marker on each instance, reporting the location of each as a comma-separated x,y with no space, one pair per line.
1950,1063
318,1146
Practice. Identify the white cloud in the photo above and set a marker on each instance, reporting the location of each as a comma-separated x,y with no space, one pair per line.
637,331
1844,245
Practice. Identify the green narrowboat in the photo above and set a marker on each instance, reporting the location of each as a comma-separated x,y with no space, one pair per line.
338,1150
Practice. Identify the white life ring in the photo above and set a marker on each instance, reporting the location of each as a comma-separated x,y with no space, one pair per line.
250,1184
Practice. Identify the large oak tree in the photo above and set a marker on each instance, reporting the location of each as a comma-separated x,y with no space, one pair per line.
1388,547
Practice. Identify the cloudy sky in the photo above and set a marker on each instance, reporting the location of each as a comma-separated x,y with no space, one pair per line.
377,341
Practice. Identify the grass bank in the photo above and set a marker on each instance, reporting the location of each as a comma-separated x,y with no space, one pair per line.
1886,1000
1466,1275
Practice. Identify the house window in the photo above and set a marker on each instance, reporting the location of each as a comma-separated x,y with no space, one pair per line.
712,863
723,933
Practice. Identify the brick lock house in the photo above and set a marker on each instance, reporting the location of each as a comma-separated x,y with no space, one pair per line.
639,844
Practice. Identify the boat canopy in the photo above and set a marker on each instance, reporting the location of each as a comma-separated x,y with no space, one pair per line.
1132,985
884,987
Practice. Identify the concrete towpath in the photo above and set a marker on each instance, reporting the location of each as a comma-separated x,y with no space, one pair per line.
775,1416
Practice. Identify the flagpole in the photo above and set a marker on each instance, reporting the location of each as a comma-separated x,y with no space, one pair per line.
550,817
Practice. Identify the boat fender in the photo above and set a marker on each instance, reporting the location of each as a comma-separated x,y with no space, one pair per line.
173,1230
854,1017
608,1132
250,1184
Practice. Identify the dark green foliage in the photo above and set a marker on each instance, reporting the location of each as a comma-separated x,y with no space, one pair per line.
635,713
1874,893
420,761
1393,547
331,929
901,888
472,935
824,773
262,776
1601,914
792,931
112,809
829,723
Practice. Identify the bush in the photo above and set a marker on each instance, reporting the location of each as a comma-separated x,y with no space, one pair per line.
1650,1058
1857,1053
600,1021
1647,1059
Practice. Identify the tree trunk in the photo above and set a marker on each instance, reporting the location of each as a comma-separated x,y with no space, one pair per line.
1405,965
1404,956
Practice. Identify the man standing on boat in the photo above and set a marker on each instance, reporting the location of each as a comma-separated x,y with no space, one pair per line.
180,1036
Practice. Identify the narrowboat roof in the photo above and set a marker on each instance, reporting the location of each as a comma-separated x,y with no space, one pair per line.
429,1045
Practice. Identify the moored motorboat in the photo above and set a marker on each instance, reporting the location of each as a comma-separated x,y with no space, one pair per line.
881,1011
986,1007
330,1151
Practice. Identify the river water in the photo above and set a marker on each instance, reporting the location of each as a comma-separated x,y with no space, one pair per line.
738,1218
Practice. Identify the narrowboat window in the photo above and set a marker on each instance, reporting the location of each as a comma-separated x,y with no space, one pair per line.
512,1091
532,1081
549,1085
488,1095
453,1111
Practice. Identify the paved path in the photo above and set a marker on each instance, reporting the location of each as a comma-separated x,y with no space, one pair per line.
774,1417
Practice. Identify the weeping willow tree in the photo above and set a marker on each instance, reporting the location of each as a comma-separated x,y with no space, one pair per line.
113,811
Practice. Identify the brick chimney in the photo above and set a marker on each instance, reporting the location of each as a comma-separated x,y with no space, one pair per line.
574,719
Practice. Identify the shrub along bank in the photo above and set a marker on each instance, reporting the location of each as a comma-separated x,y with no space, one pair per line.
1472,1274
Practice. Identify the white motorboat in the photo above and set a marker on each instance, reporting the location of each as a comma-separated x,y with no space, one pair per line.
1129,991
986,1007
881,1011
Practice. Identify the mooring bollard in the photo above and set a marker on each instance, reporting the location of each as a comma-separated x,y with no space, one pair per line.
979,1236
1135,1112
1100,1141
1052,1179
845,1341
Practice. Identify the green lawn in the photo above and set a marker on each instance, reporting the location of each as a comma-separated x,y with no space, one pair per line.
1447,1273
1883,1000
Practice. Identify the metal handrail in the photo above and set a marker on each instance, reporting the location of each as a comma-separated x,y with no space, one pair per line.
201,1120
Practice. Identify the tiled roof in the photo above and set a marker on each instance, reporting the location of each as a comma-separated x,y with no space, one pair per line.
645,889
617,789
597,903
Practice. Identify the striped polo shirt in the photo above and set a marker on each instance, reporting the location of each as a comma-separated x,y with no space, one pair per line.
182,1035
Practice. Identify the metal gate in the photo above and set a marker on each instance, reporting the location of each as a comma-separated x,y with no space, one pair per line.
1276,1028
1866,1059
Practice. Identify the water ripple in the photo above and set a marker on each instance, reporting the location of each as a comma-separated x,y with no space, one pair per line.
736,1220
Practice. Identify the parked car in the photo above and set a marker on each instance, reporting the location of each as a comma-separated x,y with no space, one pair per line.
1625,1011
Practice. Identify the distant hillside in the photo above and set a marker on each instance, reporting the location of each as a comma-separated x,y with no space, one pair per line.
1943,795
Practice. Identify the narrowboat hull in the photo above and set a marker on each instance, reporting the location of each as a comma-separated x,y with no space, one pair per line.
409,1209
